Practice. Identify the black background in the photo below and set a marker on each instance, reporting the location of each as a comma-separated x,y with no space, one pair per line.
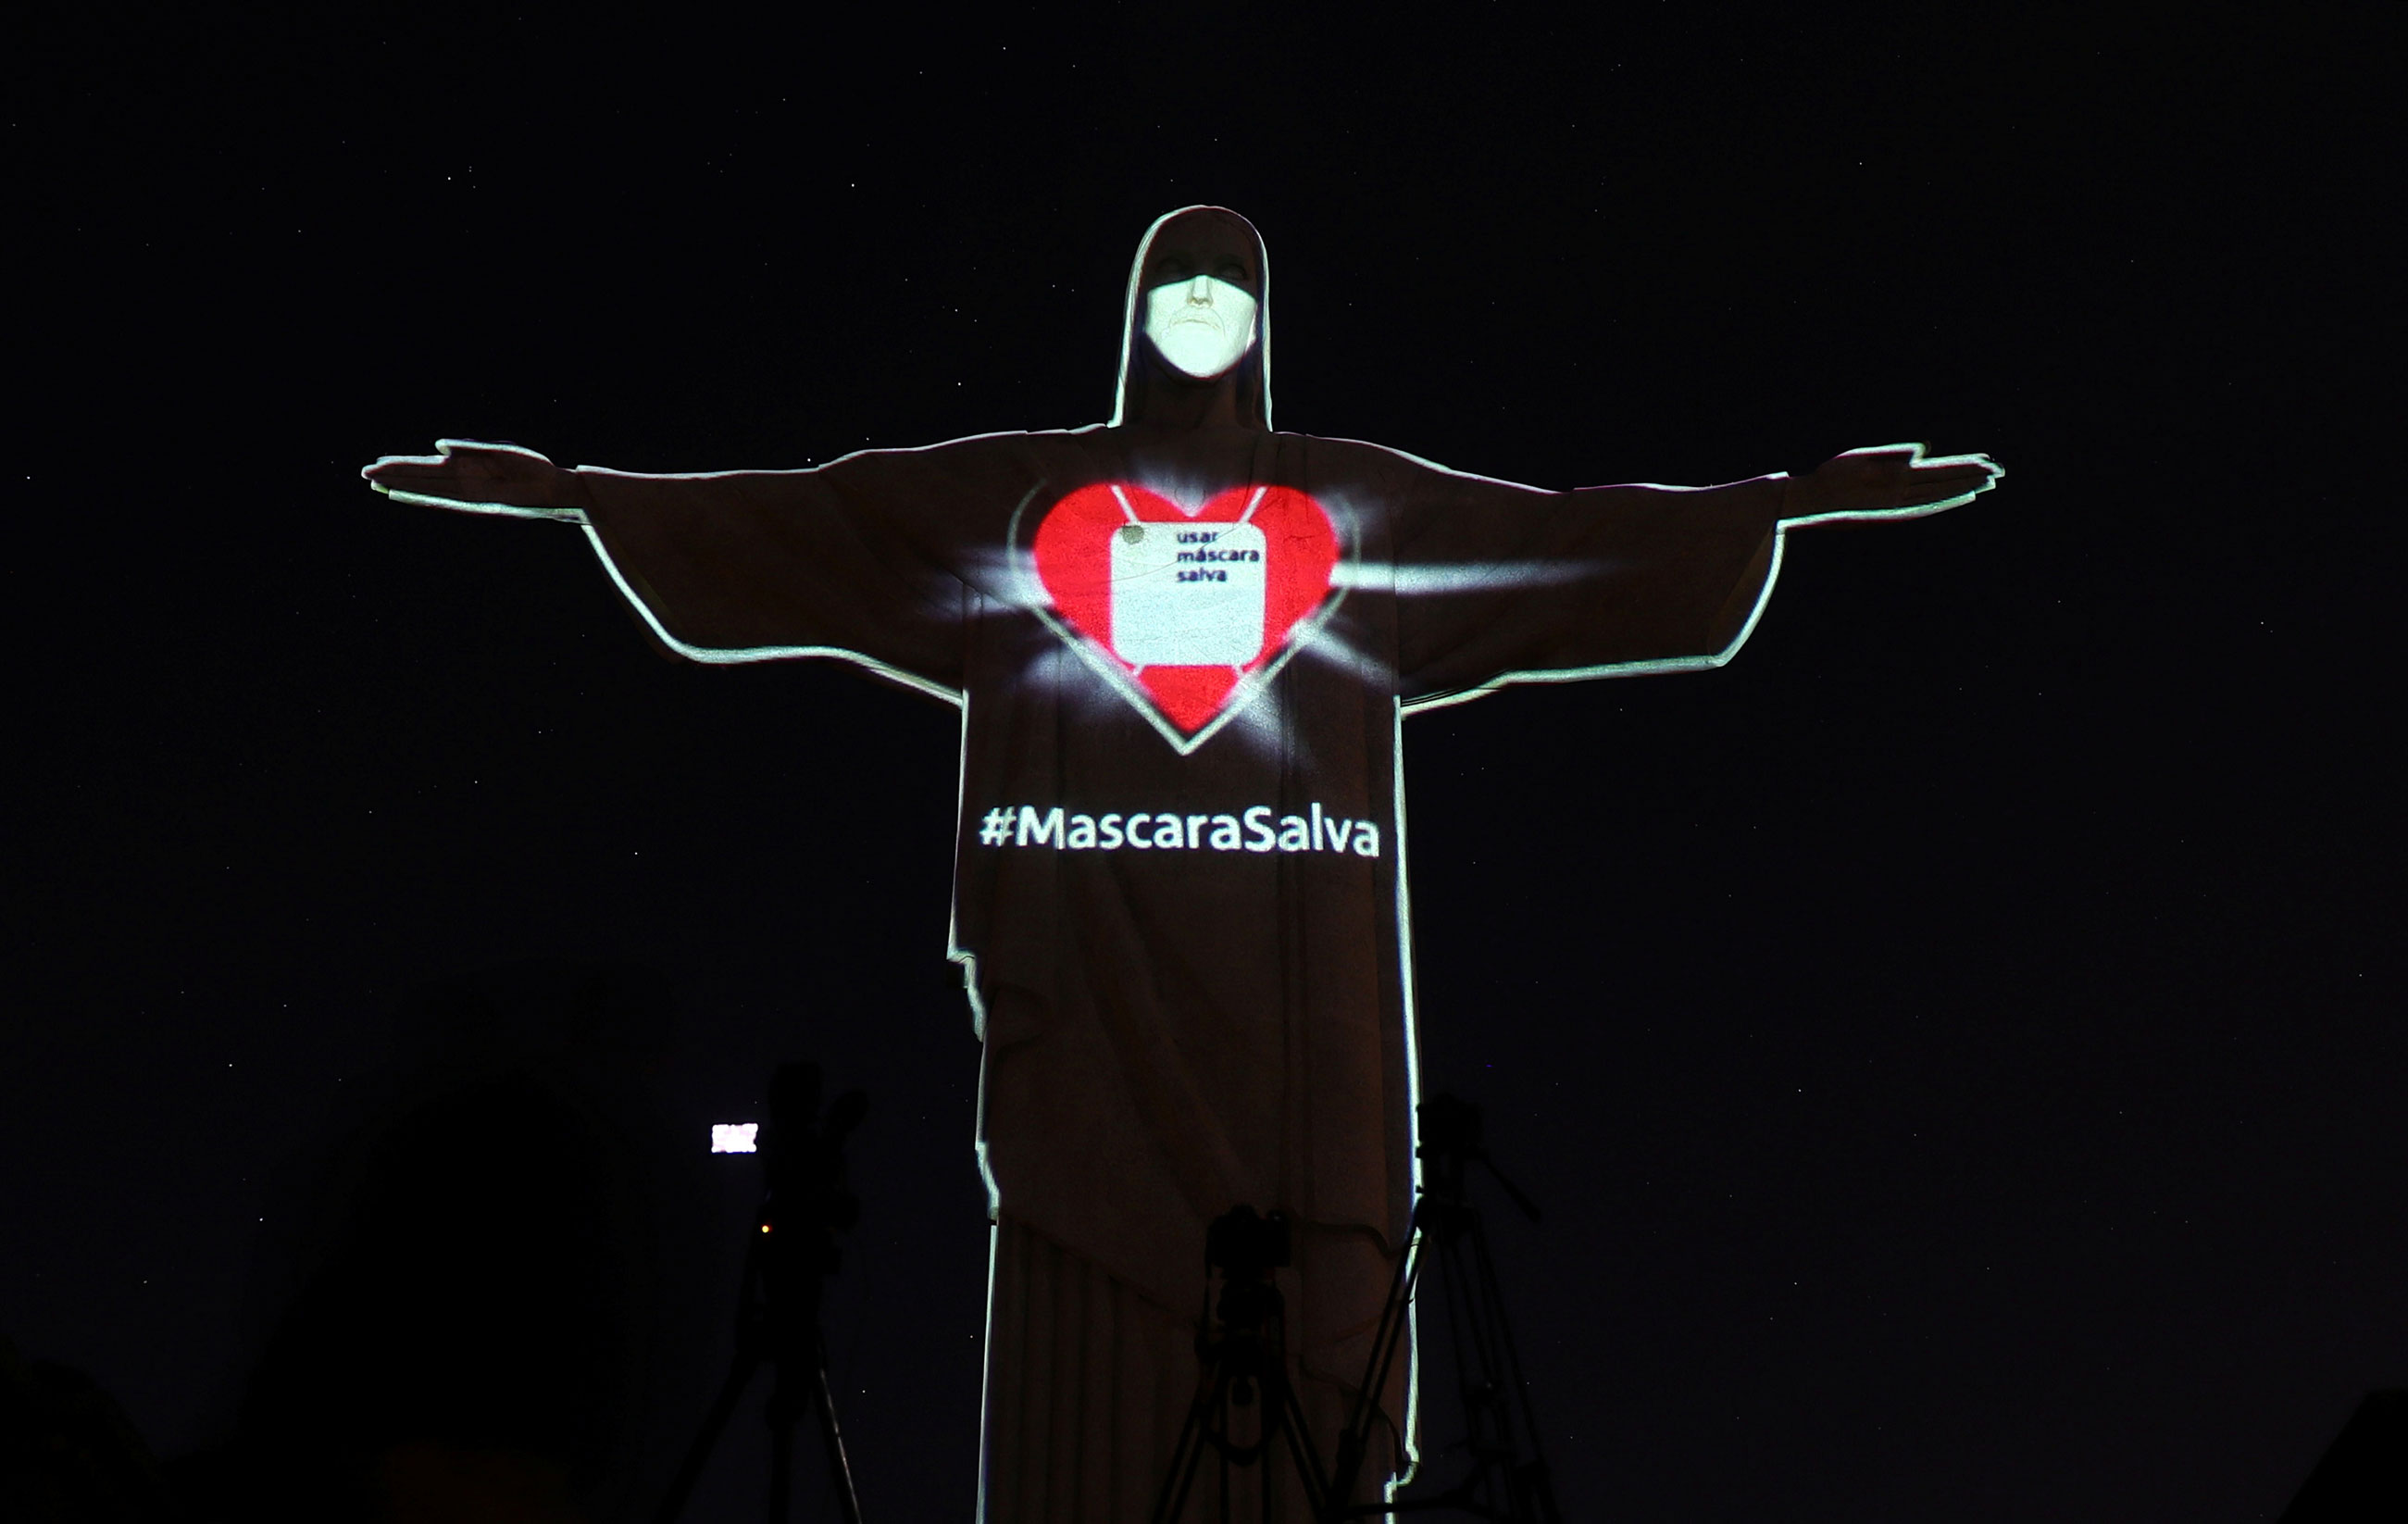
1959,1043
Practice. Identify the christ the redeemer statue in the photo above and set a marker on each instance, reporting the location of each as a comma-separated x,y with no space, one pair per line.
1182,646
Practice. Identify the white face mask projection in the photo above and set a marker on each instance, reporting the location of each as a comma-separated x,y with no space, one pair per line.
1202,325
1183,648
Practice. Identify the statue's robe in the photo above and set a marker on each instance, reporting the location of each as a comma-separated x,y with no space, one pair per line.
1176,1029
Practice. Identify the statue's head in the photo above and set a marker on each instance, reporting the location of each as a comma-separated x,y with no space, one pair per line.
1197,340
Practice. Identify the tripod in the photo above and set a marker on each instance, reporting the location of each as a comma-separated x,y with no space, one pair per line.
786,1267
1508,1481
1244,1386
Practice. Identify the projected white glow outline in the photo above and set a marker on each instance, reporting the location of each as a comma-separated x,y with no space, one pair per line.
1408,1437
1348,574
986,1350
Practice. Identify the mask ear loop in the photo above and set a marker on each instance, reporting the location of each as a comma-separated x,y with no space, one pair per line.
1122,497
1247,517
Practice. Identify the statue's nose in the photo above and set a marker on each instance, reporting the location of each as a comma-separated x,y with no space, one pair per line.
1199,292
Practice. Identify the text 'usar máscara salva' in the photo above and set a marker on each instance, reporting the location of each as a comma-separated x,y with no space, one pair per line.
1258,829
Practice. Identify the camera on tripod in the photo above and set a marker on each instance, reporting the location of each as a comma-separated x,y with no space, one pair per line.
1243,1244
805,1203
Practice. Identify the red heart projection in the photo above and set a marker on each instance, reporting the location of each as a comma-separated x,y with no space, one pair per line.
1184,608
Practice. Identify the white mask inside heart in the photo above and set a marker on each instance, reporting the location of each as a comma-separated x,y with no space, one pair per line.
1202,325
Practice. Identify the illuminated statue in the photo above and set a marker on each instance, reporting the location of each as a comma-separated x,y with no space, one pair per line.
1182,646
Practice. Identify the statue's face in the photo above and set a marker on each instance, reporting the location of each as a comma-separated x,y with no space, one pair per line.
1201,290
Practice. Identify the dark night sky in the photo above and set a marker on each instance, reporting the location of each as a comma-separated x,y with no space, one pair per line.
1959,1045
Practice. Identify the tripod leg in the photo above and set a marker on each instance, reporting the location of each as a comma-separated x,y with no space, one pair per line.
839,1469
1532,1488
781,1458
1185,1455
1318,1496
690,1469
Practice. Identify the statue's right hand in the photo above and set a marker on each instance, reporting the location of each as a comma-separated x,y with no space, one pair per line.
466,471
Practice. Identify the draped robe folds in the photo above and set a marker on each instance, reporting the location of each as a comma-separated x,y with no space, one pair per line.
1172,1031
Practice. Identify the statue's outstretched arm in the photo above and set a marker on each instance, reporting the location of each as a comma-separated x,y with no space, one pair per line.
1531,586
855,560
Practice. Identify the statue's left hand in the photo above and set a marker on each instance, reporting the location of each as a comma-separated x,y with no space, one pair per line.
465,471
1887,479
